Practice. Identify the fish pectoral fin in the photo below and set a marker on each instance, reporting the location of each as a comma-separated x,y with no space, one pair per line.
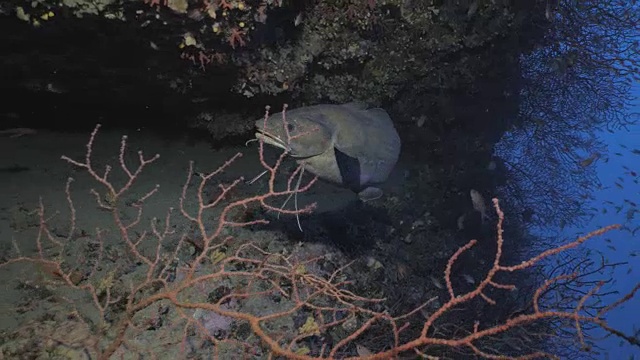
350,169
370,194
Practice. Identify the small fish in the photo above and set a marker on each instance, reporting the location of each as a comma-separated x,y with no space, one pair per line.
17,132
631,214
43,85
436,282
363,351
479,204
468,278
461,222
548,13
588,161
55,88
14,169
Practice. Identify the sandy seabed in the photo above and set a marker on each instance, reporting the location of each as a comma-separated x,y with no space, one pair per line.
31,169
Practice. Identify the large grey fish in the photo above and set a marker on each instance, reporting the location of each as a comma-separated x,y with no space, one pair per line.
347,144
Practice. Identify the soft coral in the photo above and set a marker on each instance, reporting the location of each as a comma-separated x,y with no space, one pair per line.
236,37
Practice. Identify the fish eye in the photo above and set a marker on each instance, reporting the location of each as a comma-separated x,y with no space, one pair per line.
290,127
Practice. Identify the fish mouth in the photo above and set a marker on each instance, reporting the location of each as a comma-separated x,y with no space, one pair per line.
272,140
